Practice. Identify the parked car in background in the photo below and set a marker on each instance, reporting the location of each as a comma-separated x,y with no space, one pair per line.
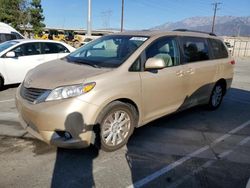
17,57
229,47
70,37
8,33
119,82
81,39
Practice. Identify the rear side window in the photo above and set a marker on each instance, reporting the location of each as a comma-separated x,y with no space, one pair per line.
52,48
6,37
195,49
218,48
16,35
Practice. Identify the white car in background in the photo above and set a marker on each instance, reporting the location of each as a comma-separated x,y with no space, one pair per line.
17,57
8,33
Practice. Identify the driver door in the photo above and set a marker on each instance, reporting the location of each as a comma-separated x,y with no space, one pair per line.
163,91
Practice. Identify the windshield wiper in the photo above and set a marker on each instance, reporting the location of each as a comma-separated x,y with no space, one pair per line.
90,64
83,62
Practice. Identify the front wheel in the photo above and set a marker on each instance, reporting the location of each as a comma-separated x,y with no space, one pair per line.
117,123
1,83
216,97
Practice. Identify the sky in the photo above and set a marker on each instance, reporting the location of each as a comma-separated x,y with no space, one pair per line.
138,14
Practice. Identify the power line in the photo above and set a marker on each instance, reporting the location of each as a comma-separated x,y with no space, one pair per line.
215,10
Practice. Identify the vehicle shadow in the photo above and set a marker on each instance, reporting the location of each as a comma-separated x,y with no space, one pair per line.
143,162
9,87
74,167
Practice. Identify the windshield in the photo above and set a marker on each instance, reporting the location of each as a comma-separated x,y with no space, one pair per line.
5,45
109,51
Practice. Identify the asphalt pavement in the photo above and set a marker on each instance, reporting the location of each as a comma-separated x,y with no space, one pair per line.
194,148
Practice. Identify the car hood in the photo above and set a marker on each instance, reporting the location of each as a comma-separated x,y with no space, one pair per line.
59,73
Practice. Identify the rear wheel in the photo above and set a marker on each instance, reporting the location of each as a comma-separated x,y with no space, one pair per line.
117,122
216,96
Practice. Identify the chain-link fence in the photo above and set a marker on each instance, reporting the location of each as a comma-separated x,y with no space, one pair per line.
238,46
241,49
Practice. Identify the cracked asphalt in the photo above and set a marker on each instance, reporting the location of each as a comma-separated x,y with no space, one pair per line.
193,148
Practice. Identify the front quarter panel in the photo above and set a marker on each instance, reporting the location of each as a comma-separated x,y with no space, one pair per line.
113,86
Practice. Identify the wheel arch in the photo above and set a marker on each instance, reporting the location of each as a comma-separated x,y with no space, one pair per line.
131,102
223,82
124,100
2,78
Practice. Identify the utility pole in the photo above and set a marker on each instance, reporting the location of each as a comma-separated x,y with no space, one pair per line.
238,31
89,21
215,10
122,16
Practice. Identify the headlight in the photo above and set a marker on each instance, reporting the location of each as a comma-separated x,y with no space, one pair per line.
70,91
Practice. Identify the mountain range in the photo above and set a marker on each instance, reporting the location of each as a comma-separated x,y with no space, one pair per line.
224,25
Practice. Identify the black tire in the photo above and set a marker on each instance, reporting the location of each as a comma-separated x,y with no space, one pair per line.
1,83
216,96
108,112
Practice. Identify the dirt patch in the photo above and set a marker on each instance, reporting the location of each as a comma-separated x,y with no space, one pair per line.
11,123
13,144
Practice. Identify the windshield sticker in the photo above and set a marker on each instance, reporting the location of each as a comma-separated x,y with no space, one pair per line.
139,38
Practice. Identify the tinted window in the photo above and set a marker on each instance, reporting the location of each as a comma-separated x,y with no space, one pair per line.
51,48
195,49
166,49
136,66
5,37
28,49
218,48
16,35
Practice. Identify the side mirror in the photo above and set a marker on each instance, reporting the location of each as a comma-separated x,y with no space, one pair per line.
155,63
11,54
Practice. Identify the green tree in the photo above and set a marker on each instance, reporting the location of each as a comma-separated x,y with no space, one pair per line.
15,12
36,16
10,12
24,15
18,13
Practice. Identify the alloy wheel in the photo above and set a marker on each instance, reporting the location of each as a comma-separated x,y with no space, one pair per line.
116,127
217,95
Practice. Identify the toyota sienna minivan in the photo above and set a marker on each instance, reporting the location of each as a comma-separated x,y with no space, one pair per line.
120,82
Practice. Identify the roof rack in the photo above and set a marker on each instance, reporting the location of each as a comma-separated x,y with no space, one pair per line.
187,30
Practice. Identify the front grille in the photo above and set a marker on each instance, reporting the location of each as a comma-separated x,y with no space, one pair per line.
32,94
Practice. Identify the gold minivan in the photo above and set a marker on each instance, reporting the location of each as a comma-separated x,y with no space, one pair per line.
122,81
